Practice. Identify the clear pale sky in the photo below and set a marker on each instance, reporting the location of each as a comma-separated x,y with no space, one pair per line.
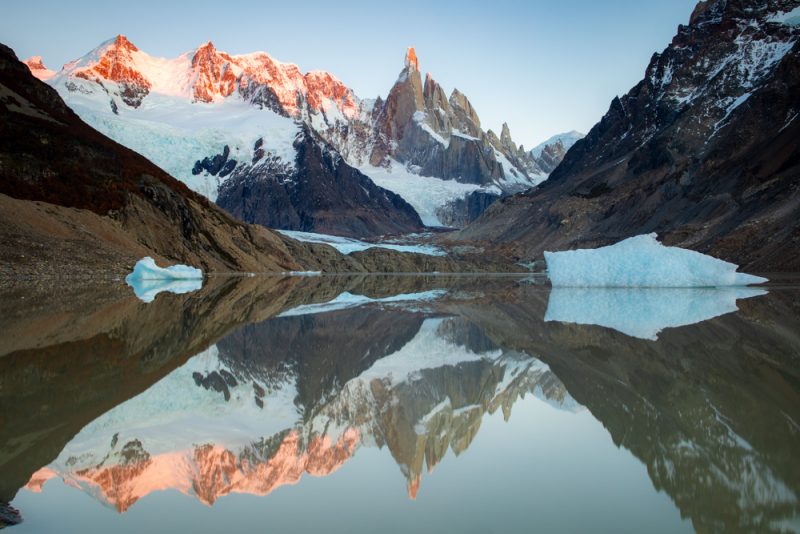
543,67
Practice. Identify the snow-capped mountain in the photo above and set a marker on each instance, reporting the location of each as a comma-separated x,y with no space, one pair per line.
551,152
236,418
183,111
36,65
703,150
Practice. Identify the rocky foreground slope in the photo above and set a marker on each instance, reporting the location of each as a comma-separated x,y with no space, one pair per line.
705,151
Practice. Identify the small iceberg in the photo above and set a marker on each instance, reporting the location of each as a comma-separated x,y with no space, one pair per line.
642,261
148,279
643,312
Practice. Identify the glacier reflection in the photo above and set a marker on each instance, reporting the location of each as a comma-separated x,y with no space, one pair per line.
643,312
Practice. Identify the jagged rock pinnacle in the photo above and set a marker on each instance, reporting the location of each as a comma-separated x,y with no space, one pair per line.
411,59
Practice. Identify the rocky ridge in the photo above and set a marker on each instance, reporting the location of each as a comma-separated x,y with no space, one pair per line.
703,151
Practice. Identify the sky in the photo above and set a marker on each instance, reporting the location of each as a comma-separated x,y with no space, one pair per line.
544,67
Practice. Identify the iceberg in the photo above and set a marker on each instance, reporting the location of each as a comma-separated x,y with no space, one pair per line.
643,312
148,279
642,261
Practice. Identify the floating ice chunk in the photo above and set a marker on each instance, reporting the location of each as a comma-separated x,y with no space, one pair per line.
148,279
643,312
642,261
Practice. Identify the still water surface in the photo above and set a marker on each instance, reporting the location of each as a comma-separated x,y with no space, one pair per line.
396,404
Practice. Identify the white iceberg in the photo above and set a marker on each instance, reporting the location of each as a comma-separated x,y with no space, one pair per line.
643,312
148,279
642,261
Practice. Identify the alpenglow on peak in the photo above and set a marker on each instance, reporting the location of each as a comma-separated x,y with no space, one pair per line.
411,59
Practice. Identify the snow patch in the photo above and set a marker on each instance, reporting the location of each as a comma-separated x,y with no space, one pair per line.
642,261
790,18
425,193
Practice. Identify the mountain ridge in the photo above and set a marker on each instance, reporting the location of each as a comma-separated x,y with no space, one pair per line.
703,151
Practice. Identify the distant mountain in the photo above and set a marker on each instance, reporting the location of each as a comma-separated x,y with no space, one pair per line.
36,65
551,152
74,202
703,151
179,112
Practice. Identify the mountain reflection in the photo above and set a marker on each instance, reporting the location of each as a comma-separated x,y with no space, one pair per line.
249,385
296,395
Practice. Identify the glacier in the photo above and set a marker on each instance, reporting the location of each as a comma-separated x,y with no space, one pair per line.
148,279
643,312
642,261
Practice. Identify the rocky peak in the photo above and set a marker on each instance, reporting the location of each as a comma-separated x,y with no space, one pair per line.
117,64
466,118
505,136
122,43
706,10
37,68
214,74
35,63
324,89
436,105
411,61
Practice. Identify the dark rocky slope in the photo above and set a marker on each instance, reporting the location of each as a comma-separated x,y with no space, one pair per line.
319,193
704,151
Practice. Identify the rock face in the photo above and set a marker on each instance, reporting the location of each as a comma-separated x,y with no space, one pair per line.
319,193
703,151
419,127
116,63
551,152
126,206
36,65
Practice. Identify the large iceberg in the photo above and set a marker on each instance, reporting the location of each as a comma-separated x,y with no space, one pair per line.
643,312
148,279
642,261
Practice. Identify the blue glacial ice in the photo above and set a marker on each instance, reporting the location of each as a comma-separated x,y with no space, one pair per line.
642,261
148,279
643,312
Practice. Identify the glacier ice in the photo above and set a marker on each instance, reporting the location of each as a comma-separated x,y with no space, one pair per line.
348,245
643,312
642,261
148,279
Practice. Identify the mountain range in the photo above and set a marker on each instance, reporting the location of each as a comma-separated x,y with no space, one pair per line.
238,129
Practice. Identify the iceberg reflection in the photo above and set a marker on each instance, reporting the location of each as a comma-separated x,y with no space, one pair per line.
147,289
643,312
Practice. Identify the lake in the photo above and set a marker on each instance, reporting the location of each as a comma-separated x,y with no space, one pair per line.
399,404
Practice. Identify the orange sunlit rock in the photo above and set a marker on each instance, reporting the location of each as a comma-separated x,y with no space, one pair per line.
209,471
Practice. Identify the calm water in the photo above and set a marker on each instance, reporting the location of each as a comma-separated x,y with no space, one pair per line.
410,404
